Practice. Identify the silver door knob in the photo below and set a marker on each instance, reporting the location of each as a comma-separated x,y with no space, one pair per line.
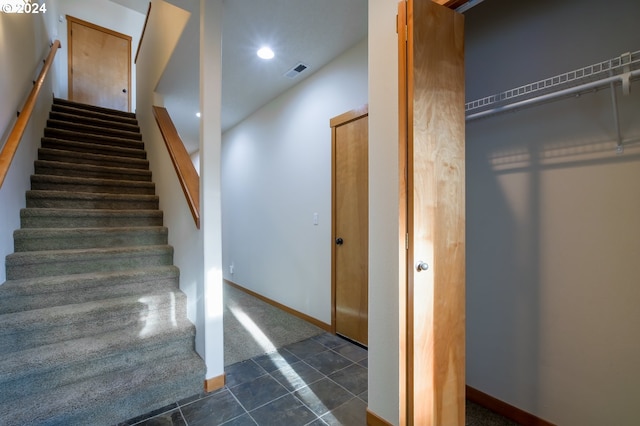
422,266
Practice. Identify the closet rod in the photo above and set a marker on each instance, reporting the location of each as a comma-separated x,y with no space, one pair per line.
553,95
468,5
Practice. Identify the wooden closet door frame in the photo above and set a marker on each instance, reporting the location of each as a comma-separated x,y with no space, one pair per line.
70,21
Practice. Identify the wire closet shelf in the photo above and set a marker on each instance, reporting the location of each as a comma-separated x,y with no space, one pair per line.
619,70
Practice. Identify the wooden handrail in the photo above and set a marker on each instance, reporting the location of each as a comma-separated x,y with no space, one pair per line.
13,141
187,175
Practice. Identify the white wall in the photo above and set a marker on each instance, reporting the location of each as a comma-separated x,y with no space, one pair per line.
211,12
105,14
196,251
276,173
24,43
163,30
552,217
384,267
180,85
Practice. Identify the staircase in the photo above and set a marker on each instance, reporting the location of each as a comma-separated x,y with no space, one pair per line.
93,326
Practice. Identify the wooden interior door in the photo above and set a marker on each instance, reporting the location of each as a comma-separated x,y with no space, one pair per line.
432,126
99,65
350,254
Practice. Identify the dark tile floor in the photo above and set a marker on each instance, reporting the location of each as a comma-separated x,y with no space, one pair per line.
319,381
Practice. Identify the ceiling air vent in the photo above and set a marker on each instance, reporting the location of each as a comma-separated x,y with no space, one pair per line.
297,69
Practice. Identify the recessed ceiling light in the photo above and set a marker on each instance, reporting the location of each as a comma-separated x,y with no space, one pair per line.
198,114
265,52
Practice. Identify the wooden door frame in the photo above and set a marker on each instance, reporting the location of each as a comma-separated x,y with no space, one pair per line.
405,372
70,21
334,122
453,396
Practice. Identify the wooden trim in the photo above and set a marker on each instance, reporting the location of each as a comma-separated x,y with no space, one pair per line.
404,366
187,175
13,141
348,116
98,28
144,28
375,420
214,383
333,227
409,181
506,410
334,122
69,61
70,20
326,327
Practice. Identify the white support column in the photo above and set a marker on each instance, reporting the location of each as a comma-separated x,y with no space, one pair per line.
210,141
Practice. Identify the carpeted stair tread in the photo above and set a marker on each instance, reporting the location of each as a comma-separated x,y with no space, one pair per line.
96,159
88,184
58,168
103,110
81,184
79,111
93,121
91,218
28,329
94,326
37,239
93,129
47,291
70,135
32,264
61,155
87,200
91,148
45,367
110,398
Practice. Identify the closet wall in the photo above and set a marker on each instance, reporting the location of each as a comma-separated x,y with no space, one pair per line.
553,228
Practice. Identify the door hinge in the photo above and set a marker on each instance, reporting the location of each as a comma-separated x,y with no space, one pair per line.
406,241
406,28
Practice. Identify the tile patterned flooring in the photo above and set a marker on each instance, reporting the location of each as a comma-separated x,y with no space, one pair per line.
318,381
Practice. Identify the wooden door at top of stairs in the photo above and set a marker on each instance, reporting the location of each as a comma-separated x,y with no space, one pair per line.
350,137
432,155
99,65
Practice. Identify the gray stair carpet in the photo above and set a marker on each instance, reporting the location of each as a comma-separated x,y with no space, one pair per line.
93,325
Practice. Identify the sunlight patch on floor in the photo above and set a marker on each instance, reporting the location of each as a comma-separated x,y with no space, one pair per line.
257,334
260,337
